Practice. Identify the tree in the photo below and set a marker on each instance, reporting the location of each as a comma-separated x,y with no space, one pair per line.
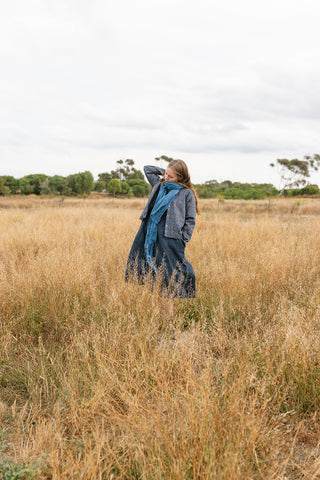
294,173
310,190
126,172
81,183
32,183
45,187
11,182
211,184
99,186
4,190
59,184
105,178
139,187
125,169
26,188
165,158
114,186
135,174
125,187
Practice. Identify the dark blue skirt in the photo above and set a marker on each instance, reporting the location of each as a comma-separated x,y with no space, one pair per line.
175,273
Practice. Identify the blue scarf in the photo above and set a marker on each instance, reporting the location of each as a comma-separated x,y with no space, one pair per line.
167,193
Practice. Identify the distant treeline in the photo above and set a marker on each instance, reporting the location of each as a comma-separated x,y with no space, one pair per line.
125,180
128,181
246,191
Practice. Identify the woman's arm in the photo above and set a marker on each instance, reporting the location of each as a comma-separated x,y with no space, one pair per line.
153,174
190,220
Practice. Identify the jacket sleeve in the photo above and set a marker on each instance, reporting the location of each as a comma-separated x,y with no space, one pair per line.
153,174
190,219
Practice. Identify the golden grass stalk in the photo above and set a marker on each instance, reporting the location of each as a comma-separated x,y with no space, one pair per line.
94,386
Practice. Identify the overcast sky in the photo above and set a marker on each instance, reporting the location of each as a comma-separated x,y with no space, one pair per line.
229,86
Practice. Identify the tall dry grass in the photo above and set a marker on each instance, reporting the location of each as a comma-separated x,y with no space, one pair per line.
94,386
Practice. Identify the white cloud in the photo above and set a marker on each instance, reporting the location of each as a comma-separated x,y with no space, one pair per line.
230,86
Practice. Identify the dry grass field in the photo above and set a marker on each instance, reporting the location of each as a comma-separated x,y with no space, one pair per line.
94,386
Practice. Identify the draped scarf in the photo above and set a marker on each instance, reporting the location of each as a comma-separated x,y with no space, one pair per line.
168,191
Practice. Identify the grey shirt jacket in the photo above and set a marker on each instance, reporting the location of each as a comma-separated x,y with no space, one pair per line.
181,213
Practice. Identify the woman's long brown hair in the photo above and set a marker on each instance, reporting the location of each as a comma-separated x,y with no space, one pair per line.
181,170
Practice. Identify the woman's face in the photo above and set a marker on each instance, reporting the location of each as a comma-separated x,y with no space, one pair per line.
170,175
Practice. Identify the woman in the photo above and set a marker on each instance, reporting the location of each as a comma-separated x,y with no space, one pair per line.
168,220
